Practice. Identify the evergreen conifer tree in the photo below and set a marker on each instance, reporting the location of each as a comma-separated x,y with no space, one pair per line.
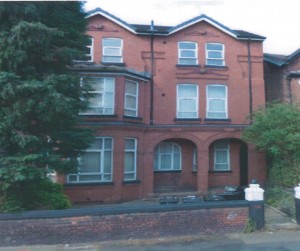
40,98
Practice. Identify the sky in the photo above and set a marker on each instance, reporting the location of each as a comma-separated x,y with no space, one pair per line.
277,20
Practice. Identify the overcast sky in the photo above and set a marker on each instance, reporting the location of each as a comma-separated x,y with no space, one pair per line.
278,20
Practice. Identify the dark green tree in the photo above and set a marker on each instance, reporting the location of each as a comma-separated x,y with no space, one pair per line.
276,130
40,98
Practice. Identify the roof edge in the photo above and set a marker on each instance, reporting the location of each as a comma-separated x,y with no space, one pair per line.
110,17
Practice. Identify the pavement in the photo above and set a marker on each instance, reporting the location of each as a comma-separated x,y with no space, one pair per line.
278,227
277,220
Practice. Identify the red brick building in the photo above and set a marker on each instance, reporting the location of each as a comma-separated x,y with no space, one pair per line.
282,77
169,107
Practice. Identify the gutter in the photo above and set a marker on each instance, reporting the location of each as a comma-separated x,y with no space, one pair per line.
152,73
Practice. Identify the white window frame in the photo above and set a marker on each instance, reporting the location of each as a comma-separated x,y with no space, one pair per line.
221,59
180,113
118,57
218,149
181,58
104,176
209,100
91,54
131,111
108,108
134,151
158,156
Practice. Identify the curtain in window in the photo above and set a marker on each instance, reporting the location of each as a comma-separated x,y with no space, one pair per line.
216,102
187,101
167,157
221,152
131,99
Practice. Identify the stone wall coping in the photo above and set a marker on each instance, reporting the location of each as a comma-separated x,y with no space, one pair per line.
115,209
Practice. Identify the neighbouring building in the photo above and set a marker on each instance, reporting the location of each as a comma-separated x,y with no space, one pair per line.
169,106
282,77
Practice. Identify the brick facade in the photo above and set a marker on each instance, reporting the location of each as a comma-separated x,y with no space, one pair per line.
151,59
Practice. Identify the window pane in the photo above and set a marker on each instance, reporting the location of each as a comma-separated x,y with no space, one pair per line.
165,147
216,105
188,54
131,88
183,45
165,160
130,113
97,84
97,144
130,102
90,177
187,105
112,51
216,92
176,160
221,157
214,54
108,144
217,47
187,115
221,167
116,59
107,162
129,161
89,162
217,62
129,176
96,100
187,61
217,115
187,91
130,144
109,99
107,177
87,50
112,42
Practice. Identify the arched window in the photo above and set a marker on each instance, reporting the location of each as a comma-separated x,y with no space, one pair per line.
167,157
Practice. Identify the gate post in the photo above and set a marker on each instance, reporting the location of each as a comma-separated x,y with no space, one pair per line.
255,195
297,203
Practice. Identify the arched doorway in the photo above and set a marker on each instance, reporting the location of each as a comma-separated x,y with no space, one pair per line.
175,167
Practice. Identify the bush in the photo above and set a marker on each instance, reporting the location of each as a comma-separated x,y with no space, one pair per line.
42,194
275,130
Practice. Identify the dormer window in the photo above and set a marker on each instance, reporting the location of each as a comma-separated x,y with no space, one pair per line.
112,50
215,54
187,53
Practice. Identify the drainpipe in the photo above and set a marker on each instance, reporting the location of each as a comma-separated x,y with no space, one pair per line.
289,87
250,78
152,72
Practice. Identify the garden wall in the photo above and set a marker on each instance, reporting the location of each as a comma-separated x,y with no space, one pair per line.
103,223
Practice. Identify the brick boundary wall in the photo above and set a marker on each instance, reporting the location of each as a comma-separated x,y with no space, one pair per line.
124,222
